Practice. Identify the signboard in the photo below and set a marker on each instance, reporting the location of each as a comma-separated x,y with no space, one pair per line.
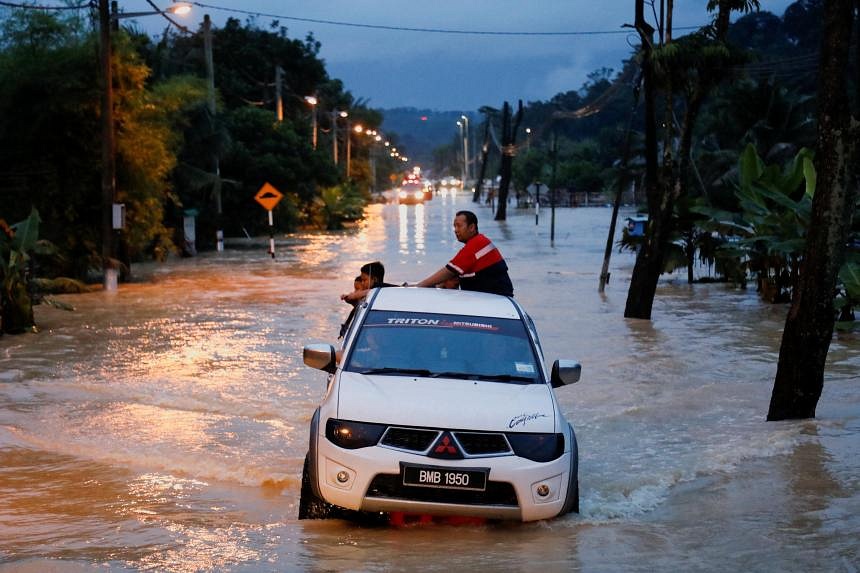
268,196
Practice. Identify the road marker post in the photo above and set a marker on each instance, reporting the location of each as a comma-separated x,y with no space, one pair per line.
269,197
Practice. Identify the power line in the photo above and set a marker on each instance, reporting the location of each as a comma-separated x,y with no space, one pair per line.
423,30
42,7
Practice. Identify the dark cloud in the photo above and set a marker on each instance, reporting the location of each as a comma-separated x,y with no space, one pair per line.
456,71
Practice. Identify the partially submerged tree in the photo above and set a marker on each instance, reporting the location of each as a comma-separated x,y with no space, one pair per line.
509,138
809,325
693,68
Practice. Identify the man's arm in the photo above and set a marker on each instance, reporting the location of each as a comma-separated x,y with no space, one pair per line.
354,296
439,276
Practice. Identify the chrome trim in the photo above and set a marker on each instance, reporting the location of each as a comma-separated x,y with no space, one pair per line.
433,508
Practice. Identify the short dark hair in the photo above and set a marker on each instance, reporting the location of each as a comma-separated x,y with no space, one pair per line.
375,270
471,218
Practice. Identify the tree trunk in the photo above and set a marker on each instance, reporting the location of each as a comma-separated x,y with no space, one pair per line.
485,153
649,260
809,325
509,136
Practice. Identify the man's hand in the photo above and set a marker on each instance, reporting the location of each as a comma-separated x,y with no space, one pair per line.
353,297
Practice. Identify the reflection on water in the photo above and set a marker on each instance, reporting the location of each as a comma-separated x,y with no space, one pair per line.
411,229
164,428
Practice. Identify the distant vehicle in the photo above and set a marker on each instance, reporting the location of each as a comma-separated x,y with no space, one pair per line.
411,190
441,404
450,183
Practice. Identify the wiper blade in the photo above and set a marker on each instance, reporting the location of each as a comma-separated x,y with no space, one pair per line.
476,376
463,375
390,370
506,378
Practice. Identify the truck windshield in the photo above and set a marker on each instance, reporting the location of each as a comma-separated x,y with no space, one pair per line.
400,343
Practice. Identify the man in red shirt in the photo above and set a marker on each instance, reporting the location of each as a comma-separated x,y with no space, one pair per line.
479,264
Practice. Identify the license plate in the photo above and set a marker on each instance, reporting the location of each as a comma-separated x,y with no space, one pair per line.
447,478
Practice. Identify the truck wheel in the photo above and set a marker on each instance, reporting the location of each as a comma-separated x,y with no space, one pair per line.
571,500
310,505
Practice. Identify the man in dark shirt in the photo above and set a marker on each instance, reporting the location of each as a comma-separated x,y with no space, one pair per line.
479,264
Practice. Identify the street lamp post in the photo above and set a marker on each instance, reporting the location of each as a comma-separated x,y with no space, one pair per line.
312,101
463,172
466,147
334,115
348,148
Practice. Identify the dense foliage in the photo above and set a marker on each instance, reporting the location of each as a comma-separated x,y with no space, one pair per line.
176,153
748,146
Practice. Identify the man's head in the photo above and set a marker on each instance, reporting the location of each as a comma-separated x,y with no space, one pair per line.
465,225
373,274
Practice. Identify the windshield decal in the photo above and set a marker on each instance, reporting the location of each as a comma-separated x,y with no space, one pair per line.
523,419
524,367
414,321
439,323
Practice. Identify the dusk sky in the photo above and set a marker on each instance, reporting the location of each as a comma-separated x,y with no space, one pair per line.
452,71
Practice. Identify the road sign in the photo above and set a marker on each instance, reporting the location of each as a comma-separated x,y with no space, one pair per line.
268,196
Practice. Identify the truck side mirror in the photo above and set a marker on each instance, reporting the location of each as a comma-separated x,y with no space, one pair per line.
320,356
565,372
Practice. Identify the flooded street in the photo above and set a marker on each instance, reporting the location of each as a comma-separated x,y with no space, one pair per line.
163,427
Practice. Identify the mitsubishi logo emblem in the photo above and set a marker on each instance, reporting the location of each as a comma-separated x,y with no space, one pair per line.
445,447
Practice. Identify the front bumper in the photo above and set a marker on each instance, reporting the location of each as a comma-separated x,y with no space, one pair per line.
368,479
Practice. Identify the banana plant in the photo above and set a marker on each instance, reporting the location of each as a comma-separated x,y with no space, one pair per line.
18,244
16,304
767,234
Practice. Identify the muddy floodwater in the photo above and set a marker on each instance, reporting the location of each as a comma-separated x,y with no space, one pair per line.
163,427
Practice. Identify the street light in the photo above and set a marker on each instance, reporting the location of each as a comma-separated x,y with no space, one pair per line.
466,147
528,138
108,17
463,141
312,101
334,115
178,9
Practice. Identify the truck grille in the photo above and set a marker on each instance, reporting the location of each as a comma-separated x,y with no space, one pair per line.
409,439
419,440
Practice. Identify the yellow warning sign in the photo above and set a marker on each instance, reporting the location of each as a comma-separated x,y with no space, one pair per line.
268,196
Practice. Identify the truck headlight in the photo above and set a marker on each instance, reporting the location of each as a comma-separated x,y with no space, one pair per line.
353,435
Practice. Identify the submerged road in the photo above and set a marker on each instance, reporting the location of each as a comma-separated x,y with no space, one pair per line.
163,427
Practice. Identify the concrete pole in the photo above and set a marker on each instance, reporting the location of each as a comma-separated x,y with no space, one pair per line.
466,148
210,102
314,124
279,102
108,183
348,148
334,136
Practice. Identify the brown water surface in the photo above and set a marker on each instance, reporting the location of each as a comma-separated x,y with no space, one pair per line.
163,427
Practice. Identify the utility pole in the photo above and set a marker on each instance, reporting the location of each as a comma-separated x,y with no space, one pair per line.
108,184
552,183
210,101
334,135
466,146
348,148
279,102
